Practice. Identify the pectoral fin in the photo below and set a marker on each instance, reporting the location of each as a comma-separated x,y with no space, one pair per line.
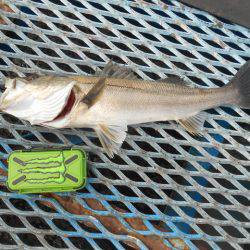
111,137
95,93
193,124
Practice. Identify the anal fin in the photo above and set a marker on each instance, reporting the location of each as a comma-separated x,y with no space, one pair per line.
111,137
193,124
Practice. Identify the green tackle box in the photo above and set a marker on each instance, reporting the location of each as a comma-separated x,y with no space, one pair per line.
47,171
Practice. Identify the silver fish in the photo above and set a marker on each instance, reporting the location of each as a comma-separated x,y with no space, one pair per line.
113,99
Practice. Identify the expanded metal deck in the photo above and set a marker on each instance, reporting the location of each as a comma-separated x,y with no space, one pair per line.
165,184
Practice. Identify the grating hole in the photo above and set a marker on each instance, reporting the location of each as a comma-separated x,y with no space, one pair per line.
81,243
180,180
155,24
125,190
132,175
50,137
224,245
128,34
173,195
6,47
71,54
100,44
142,208
93,56
56,39
118,205
58,2
143,48
165,51
6,134
197,29
70,15
214,213
233,231
55,241
91,18
106,32
21,204
181,66
201,244
18,22
77,3
41,25
115,59
156,178
34,37
122,46
208,229
170,39
109,173
113,20
78,42
175,134
238,216
242,200
105,244
88,227
187,53
167,210
86,69
29,239
192,41
64,67
234,46
145,146
149,192
19,62
84,30
63,225
197,197
152,132
42,65
11,34
221,199
168,148
38,222
101,188
44,207
150,37
139,161
3,205
12,220
160,13
163,163
49,52
6,239
47,12
118,8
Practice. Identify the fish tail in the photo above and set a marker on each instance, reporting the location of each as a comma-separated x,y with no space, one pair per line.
240,87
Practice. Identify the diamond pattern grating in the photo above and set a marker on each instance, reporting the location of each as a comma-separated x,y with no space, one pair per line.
164,182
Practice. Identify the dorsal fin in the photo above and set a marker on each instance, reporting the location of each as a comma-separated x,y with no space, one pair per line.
114,70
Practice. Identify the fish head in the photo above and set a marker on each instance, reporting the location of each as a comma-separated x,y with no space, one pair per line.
38,102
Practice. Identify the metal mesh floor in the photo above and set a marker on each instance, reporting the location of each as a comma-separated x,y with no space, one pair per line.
165,183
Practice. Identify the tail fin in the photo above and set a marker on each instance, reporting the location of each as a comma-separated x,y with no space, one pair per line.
241,86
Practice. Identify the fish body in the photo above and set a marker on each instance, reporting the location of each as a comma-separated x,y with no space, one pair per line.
111,101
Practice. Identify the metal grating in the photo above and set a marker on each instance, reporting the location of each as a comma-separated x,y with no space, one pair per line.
165,183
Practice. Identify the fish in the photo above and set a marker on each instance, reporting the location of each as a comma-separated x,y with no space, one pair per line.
115,98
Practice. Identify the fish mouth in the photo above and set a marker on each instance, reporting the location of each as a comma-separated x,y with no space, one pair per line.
67,108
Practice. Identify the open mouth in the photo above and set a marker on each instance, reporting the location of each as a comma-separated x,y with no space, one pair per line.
67,107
